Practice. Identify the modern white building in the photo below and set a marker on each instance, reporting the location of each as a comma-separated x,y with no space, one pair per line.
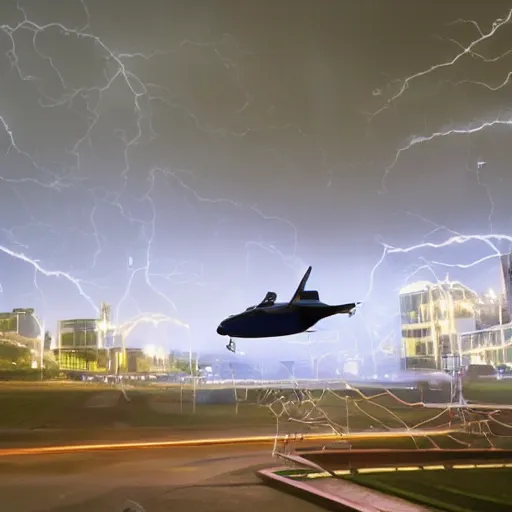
433,315
487,346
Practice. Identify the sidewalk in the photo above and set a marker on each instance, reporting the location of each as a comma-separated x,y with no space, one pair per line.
340,494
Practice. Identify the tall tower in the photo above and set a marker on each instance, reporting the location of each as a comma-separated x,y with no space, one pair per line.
506,268
104,326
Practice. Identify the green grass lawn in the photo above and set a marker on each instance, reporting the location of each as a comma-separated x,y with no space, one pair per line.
67,407
468,490
495,391
46,405
53,405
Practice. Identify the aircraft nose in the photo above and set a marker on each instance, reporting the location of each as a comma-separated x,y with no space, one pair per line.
221,330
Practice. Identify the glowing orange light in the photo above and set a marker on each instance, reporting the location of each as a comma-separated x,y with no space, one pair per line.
214,442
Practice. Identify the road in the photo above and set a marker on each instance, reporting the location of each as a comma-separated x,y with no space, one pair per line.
206,478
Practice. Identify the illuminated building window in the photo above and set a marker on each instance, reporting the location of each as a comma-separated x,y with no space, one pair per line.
421,348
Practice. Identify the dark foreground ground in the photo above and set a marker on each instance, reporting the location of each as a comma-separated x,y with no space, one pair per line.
205,479
210,478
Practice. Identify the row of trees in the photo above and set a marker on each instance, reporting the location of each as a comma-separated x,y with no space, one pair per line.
18,352
16,362
14,356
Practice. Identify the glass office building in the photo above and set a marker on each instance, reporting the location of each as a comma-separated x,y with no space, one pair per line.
432,315
78,333
487,346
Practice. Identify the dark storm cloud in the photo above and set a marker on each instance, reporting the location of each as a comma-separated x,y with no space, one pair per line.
216,148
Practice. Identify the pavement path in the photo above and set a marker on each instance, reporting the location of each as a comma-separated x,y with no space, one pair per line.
209,479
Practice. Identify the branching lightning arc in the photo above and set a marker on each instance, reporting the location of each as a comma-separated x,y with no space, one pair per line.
116,74
93,99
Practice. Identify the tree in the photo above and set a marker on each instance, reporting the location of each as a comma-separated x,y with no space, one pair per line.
184,366
142,365
49,361
14,357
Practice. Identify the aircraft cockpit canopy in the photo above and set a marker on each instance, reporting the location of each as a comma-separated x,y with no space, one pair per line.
269,300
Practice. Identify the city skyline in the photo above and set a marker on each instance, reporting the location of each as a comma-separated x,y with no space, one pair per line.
188,169
112,335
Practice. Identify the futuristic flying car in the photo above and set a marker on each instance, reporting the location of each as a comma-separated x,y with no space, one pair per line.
270,319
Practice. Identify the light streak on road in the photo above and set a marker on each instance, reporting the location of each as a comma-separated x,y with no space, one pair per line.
270,439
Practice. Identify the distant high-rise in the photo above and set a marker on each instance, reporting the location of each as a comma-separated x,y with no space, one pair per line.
492,342
432,317
506,266
104,327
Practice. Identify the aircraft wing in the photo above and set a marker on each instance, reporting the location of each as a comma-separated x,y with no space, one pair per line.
301,287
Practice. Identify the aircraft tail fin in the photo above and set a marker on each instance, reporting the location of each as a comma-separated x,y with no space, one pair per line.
302,285
309,295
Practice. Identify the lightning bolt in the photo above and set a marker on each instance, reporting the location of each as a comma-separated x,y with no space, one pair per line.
149,280
424,139
465,51
494,241
475,127
77,283
57,88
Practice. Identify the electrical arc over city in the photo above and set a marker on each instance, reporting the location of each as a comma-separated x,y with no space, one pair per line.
173,159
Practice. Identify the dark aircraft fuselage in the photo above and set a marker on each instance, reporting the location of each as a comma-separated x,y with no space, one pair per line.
278,320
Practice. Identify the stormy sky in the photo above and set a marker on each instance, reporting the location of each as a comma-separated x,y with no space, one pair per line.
185,157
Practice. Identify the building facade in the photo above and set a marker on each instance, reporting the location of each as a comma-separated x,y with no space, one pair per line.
22,328
136,361
21,321
78,333
487,346
90,344
432,315
506,271
491,341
